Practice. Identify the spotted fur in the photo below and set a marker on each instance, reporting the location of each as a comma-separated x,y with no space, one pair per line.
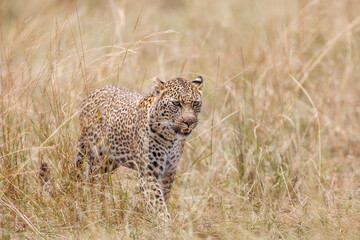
120,127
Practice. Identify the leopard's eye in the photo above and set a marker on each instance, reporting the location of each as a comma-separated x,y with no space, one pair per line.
196,103
176,103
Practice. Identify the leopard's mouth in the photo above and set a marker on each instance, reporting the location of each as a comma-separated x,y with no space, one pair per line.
186,131
182,131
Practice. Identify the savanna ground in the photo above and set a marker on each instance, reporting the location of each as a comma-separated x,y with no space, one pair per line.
276,154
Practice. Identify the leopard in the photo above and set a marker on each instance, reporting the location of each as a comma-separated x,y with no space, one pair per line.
145,132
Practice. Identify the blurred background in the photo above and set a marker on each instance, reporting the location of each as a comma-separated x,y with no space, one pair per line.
276,153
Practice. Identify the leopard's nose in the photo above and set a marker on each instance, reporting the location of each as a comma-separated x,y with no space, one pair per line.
189,122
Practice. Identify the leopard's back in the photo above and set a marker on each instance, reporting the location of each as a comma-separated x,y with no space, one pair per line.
108,120
108,104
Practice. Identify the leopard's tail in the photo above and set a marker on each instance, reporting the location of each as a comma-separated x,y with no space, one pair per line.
44,173
44,176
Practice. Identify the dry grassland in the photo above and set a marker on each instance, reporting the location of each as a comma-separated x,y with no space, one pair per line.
277,151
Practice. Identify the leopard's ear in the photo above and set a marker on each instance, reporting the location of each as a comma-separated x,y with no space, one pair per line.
158,85
198,82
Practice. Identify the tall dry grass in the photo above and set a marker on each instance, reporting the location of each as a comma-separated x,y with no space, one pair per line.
276,155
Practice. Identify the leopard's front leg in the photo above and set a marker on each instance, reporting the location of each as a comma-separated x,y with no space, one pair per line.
167,182
150,185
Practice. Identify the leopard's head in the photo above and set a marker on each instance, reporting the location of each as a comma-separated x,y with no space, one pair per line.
176,106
